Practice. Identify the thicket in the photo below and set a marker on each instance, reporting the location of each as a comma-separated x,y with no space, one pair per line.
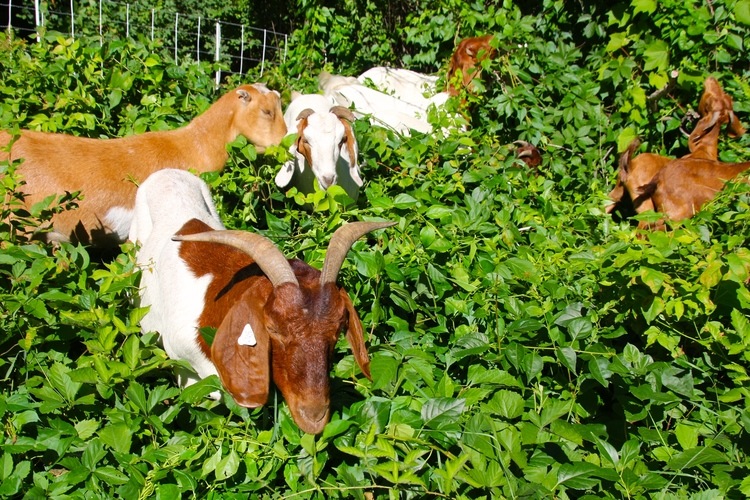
523,343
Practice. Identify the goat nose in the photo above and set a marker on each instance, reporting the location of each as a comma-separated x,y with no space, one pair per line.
328,181
314,414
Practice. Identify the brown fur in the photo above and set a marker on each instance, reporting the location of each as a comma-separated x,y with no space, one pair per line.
107,171
466,58
683,186
296,329
715,108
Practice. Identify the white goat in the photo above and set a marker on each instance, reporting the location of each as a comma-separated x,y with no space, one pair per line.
325,149
406,85
164,202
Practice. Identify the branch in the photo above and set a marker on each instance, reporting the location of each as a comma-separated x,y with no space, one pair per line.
656,95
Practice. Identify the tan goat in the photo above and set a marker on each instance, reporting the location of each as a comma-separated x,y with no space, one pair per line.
107,171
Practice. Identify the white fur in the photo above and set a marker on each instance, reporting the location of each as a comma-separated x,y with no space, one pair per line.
404,84
119,220
401,105
163,204
331,161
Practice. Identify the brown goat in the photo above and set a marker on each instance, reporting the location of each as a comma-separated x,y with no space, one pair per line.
715,108
467,59
683,186
106,171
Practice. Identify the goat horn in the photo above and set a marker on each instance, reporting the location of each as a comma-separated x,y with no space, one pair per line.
265,253
343,113
341,241
304,114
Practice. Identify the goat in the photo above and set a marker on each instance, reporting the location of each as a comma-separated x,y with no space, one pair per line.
275,319
715,108
400,103
468,55
106,171
325,149
404,84
683,186
382,109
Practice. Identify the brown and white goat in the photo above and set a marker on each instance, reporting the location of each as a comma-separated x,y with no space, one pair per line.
325,149
715,109
106,171
275,318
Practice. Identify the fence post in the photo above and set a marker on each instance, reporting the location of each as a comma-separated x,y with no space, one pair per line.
101,34
152,24
286,42
127,20
10,8
176,17
217,53
263,57
36,19
198,43
72,21
242,47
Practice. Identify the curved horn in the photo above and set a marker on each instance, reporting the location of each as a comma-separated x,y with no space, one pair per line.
265,253
343,113
341,241
304,114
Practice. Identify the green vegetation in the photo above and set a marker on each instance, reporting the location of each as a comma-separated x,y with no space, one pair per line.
523,343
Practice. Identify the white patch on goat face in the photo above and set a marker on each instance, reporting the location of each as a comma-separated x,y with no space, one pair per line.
247,337
119,220
324,133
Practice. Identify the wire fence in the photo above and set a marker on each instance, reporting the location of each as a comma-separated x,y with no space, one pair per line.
239,47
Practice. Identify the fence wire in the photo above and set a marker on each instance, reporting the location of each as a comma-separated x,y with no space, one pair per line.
238,46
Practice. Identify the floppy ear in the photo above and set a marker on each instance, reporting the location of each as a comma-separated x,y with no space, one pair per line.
355,336
349,151
241,353
284,176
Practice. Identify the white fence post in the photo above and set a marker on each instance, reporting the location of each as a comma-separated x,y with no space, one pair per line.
72,21
198,43
217,53
176,17
101,34
263,57
37,19
242,48
152,25
127,20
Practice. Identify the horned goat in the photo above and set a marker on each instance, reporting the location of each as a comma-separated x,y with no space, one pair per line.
275,319
106,171
325,148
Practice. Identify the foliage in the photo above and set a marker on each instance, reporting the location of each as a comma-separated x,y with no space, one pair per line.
523,343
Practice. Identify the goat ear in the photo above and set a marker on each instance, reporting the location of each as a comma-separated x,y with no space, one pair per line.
244,95
244,368
355,336
284,176
351,153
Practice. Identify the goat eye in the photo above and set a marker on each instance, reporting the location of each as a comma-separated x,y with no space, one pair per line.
267,112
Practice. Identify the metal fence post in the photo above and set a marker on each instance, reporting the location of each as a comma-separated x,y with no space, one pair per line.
127,20
198,43
37,19
176,17
152,25
263,57
72,21
242,47
217,53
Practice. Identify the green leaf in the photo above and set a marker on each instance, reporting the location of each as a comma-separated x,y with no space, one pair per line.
742,11
507,404
697,456
567,356
442,411
110,475
656,56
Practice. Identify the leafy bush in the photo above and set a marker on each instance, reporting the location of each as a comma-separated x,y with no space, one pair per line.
522,342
